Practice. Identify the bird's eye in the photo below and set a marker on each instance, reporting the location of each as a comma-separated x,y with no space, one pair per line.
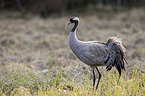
71,19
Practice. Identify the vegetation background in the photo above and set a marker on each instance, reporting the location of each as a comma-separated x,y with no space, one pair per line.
35,58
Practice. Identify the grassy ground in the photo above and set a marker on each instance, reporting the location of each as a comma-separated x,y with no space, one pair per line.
36,60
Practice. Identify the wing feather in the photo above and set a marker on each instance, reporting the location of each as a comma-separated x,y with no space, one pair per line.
98,53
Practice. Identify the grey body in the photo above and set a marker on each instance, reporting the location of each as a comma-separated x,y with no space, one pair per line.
91,53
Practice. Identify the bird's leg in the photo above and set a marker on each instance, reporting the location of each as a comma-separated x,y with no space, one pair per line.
98,78
94,78
118,79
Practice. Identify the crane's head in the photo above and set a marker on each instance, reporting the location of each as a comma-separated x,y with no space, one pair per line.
73,20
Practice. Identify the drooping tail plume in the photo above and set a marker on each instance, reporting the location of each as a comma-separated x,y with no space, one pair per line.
118,57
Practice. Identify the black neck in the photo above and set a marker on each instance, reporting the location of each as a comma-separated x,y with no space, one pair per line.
75,26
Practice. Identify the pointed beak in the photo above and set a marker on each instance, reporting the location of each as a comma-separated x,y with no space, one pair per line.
68,24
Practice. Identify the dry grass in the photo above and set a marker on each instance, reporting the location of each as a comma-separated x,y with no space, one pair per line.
29,44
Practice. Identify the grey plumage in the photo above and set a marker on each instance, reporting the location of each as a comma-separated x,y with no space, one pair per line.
94,53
